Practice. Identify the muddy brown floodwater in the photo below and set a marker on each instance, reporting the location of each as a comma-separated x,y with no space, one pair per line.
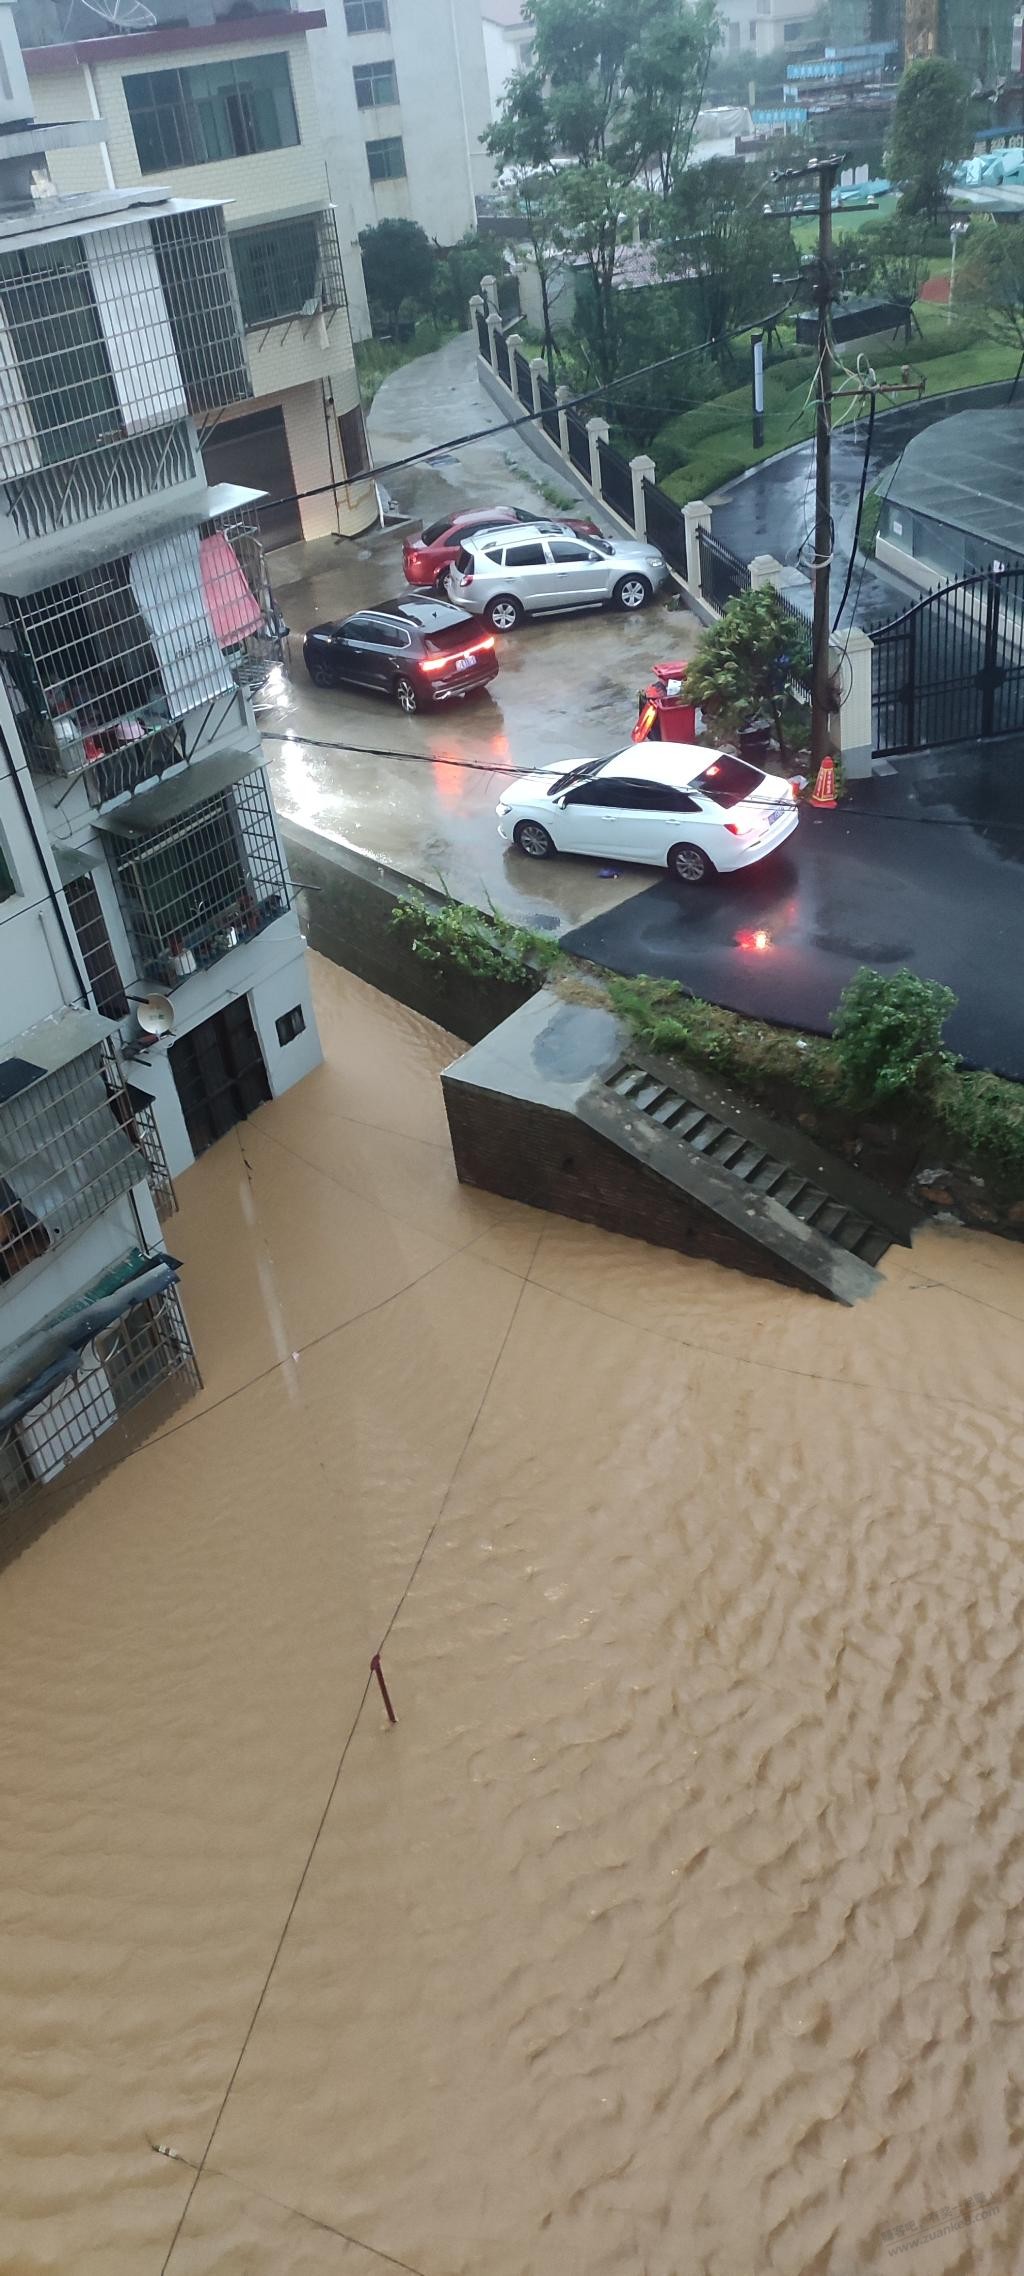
675,1929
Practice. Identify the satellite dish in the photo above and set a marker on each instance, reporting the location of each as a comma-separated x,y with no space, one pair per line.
124,15
155,1015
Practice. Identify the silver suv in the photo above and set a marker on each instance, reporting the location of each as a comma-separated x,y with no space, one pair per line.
506,574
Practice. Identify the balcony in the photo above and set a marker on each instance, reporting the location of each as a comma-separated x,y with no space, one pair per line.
66,1149
81,1375
288,271
105,669
197,879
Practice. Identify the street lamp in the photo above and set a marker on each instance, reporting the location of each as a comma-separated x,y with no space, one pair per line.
957,229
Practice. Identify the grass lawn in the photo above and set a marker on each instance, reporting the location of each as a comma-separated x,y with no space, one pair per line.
697,453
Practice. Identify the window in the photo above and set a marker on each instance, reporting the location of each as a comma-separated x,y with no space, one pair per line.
211,111
352,435
289,268
290,1025
7,885
48,302
366,16
524,557
568,549
728,780
97,950
386,159
792,32
379,635
590,794
376,84
752,29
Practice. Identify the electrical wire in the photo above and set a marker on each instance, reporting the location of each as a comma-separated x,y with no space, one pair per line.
862,493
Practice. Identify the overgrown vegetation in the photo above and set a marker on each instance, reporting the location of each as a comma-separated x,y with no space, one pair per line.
744,663
886,1056
452,937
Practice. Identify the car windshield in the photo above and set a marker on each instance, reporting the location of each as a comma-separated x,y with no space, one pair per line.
727,780
434,530
448,636
575,774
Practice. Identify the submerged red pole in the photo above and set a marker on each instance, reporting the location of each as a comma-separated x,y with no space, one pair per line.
377,1670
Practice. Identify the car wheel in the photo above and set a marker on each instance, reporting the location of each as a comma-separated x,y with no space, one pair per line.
689,865
632,593
406,696
319,671
533,839
504,612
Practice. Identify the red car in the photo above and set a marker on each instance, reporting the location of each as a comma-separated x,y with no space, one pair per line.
427,559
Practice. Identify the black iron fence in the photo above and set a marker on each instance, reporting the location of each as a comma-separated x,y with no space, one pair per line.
579,443
483,337
666,526
722,573
951,669
799,685
502,362
616,481
524,381
549,411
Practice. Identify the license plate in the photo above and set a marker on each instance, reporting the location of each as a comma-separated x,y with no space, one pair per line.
776,815
464,663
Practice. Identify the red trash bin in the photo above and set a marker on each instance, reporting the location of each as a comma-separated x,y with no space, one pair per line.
664,716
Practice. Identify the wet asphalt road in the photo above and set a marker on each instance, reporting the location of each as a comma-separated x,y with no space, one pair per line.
923,869
771,509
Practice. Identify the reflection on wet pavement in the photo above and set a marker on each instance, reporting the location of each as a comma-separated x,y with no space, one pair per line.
677,1923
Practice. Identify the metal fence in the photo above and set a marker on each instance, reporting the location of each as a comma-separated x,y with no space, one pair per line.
504,367
483,337
549,411
524,382
616,481
579,443
666,526
951,669
722,573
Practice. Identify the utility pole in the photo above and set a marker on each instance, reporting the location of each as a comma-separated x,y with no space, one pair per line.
828,171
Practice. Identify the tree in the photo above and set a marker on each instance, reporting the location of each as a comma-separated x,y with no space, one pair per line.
614,88
744,663
929,134
991,282
458,271
398,265
717,234
888,1034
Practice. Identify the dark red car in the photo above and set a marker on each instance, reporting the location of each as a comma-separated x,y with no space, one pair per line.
427,558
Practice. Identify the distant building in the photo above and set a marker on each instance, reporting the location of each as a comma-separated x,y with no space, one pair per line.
955,504
404,100
766,27
228,111
508,46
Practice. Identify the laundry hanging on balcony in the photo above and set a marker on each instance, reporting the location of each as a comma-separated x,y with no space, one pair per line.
167,583
232,607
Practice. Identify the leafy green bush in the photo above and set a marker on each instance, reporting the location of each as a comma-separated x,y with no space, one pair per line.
888,1035
707,470
454,937
985,1115
757,1057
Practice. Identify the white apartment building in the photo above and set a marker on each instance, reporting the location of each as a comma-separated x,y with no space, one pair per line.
508,46
153,983
404,101
228,111
766,27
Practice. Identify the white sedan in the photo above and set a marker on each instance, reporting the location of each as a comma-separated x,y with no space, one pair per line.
691,810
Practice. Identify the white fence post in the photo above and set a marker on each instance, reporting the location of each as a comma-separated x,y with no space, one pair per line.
489,289
697,516
598,432
764,570
538,371
854,724
642,470
494,334
564,395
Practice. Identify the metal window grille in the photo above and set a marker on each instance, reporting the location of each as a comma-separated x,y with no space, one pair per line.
238,595
211,111
386,158
193,891
366,16
290,269
137,467
144,1132
64,1156
97,949
375,84
150,1345
198,279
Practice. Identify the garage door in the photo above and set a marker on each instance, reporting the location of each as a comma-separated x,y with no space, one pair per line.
254,451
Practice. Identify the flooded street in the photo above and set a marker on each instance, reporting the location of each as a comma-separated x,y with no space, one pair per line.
676,1927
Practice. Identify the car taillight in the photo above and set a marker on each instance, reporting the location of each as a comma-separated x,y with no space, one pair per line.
734,830
435,663
479,645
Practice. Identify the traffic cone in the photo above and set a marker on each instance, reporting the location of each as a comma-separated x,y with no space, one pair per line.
824,792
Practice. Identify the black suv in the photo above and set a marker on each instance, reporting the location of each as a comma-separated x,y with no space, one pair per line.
418,651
